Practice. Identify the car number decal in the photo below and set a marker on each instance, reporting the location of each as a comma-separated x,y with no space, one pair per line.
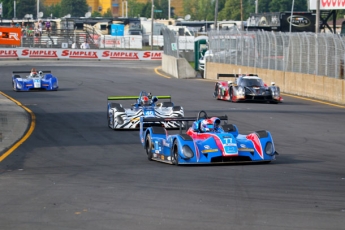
149,113
230,146
37,83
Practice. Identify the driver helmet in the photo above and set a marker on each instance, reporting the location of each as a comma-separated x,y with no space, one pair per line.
145,100
40,73
206,125
33,71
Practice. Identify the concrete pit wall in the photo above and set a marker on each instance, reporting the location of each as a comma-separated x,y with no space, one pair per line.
306,85
177,67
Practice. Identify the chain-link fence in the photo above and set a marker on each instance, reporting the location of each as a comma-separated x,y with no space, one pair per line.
171,44
321,54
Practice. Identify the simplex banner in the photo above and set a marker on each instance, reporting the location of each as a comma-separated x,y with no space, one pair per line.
21,53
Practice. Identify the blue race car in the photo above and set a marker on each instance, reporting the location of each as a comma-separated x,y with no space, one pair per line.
206,142
42,80
145,105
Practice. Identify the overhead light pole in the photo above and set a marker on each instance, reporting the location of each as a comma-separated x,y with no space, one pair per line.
293,3
152,8
216,15
14,9
169,9
317,22
38,8
126,9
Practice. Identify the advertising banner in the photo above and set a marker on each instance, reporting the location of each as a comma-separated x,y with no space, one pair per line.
10,36
36,53
327,4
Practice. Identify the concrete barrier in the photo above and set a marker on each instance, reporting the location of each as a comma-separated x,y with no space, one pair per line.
177,67
307,85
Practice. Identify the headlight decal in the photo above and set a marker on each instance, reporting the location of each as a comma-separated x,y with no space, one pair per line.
269,150
187,152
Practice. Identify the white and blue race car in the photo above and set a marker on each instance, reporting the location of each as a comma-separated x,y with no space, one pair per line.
43,80
145,106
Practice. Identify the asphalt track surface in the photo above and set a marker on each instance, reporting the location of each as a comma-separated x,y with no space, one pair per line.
73,172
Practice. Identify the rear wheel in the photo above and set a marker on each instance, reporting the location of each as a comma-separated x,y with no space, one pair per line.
231,94
148,147
174,153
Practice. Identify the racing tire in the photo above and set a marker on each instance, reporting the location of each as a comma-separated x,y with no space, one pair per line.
14,87
174,154
148,147
231,94
109,124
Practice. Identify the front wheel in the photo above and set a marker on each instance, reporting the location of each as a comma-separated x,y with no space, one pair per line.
148,147
14,86
109,121
174,154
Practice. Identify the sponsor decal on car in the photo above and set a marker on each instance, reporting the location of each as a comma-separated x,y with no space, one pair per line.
209,150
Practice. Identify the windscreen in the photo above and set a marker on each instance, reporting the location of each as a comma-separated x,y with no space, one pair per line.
251,82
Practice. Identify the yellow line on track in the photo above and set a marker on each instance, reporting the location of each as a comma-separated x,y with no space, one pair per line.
157,72
314,100
27,134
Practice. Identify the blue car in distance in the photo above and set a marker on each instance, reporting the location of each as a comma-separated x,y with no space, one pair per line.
43,80
208,141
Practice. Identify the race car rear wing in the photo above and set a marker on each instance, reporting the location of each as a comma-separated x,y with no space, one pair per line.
134,97
44,71
233,75
177,119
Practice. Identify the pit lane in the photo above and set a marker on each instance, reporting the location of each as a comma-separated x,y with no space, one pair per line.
74,172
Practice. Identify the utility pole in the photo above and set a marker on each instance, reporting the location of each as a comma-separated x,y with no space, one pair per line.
317,22
38,8
242,15
293,3
216,15
169,10
256,6
126,9
14,9
152,8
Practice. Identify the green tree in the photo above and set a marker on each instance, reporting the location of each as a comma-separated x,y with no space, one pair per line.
135,9
146,12
77,8
187,7
96,14
108,13
231,11
199,9
264,6
285,5
25,7
7,9
53,11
